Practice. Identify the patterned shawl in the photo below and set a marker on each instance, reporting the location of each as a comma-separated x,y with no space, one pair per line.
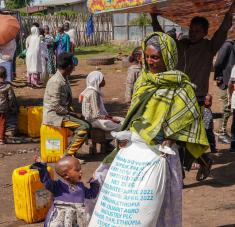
166,103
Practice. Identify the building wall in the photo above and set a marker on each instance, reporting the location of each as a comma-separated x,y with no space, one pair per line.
123,30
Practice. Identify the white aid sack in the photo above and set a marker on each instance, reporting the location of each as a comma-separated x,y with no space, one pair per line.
134,188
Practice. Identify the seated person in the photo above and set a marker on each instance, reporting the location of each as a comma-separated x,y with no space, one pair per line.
69,192
93,107
57,104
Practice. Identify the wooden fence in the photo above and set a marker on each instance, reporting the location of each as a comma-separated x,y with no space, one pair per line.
103,27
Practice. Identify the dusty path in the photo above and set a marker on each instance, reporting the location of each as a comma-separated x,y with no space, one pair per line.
206,204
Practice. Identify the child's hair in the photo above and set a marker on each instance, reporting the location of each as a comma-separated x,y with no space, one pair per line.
202,21
3,72
135,54
63,165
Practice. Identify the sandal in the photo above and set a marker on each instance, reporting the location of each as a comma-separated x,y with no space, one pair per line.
204,171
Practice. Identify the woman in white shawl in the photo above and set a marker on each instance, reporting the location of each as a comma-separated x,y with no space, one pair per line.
33,57
93,107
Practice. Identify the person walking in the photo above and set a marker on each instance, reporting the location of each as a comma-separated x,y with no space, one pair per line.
33,57
225,60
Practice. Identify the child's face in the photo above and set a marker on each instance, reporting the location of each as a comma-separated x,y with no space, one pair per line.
74,173
208,101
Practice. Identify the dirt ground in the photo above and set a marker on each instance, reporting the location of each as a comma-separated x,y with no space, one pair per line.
210,203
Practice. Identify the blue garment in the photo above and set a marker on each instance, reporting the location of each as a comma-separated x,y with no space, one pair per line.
62,42
63,191
90,26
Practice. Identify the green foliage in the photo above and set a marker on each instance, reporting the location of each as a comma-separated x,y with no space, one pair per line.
142,20
23,14
16,4
66,13
37,14
108,49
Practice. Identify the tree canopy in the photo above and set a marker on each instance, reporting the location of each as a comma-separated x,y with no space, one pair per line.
16,4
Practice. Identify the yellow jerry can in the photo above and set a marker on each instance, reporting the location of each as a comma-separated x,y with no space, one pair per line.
34,121
29,120
32,201
54,141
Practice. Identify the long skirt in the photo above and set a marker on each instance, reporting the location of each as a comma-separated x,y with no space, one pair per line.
8,66
34,78
171,211
44,75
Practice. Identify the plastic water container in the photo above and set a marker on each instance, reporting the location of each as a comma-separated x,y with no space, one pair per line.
32,201
29,120
54,141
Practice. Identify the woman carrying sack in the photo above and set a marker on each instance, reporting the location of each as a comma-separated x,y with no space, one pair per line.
164,112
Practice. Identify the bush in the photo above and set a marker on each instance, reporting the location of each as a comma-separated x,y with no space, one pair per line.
142,20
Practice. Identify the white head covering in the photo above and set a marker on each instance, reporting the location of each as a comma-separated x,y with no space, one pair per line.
34,31
33,54
94,80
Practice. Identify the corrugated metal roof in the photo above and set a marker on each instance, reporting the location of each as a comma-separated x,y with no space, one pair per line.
179,11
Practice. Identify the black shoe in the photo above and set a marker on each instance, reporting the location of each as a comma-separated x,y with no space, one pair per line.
224,139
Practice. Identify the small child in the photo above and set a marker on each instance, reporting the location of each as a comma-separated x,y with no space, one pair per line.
208,122
7,102
69,192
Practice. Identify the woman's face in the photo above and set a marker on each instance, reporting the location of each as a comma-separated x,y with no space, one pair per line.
102,84
154,60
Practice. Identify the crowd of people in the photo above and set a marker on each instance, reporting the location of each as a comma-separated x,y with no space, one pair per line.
43,49
167,95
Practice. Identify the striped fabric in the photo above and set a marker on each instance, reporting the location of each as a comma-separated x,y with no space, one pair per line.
166,102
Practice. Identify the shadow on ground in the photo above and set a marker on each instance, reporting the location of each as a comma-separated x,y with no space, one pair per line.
221,176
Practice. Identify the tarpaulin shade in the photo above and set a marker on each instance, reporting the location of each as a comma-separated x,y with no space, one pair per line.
179,11
9,27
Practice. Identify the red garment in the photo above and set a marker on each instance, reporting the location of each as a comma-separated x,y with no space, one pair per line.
2,126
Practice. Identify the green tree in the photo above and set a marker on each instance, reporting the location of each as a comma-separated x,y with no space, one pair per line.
142,20
16,4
